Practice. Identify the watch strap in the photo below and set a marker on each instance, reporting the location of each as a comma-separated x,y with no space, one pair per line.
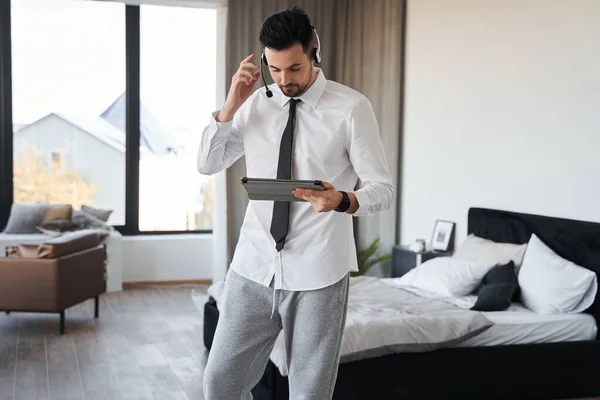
345,204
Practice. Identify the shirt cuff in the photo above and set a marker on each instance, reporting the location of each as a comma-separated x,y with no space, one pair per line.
363,203
220,128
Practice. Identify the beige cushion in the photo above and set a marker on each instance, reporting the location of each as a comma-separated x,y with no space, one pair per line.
63,245
477,248
27,251
62,211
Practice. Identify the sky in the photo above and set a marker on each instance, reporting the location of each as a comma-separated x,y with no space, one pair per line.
69,57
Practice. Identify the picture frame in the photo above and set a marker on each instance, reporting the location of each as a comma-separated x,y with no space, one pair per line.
442,237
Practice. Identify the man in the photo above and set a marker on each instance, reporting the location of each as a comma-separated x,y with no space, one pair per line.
291,264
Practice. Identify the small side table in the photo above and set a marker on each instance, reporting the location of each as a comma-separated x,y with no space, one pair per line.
404,259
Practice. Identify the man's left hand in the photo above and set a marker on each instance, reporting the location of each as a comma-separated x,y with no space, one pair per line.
321,200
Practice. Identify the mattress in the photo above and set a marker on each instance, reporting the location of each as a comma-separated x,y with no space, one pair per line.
519,325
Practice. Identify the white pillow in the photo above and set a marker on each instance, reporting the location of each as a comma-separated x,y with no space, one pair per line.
552,285
447,276
477,248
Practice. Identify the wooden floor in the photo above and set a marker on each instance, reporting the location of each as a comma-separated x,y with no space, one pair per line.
146,344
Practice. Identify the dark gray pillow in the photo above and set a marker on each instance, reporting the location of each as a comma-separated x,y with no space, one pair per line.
25,217
58,226
495,297
499,287
501,274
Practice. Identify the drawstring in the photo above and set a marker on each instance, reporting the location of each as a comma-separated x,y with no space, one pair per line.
273,309
280,282
280,271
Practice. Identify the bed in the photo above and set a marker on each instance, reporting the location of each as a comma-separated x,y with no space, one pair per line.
521,355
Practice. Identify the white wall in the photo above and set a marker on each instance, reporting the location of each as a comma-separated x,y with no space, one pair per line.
167,257
502,110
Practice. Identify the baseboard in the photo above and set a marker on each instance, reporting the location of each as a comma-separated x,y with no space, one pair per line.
145,284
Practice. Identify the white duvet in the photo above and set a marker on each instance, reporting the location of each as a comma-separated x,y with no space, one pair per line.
384,319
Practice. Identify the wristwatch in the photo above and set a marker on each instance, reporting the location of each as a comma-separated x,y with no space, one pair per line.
345,204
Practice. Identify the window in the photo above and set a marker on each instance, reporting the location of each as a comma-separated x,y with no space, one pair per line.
177,93
56,160
68,81
80,71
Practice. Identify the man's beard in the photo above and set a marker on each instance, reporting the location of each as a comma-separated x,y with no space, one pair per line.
295,90
292,90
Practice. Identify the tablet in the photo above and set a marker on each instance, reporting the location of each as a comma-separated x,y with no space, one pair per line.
277,189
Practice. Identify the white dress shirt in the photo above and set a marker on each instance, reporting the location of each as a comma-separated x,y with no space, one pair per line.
336,140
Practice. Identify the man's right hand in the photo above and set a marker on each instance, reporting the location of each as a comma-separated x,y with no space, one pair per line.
242,85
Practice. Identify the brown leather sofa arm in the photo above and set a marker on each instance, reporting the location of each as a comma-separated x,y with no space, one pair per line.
81,276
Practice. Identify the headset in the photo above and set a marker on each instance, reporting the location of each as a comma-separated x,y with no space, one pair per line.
263,60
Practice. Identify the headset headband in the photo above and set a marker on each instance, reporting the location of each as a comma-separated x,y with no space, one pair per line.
316,52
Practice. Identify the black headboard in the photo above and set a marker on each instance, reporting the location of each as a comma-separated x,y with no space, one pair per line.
577,241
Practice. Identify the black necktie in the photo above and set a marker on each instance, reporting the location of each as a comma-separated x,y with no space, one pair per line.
281,209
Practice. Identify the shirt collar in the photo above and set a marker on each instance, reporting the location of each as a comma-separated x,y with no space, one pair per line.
313,94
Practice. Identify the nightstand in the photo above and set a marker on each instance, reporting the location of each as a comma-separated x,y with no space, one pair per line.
404,259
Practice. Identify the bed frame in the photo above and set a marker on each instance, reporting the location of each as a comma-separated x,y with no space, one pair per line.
529,371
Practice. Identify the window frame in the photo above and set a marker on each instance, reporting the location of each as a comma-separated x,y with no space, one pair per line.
132,125
6,139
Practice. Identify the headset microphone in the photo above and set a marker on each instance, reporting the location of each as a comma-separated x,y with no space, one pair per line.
267,90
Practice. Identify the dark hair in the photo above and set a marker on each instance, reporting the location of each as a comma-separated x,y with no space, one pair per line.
284,29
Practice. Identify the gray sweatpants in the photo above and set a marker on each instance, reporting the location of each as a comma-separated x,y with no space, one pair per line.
312,322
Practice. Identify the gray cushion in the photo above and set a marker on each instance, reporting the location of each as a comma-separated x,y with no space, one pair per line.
25,217
88,221
99,213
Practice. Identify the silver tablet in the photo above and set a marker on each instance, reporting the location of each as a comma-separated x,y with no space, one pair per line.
277,189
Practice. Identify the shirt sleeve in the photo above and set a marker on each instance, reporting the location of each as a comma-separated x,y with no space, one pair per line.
368,159
221,144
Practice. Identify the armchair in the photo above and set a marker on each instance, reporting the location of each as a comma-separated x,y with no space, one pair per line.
55,275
